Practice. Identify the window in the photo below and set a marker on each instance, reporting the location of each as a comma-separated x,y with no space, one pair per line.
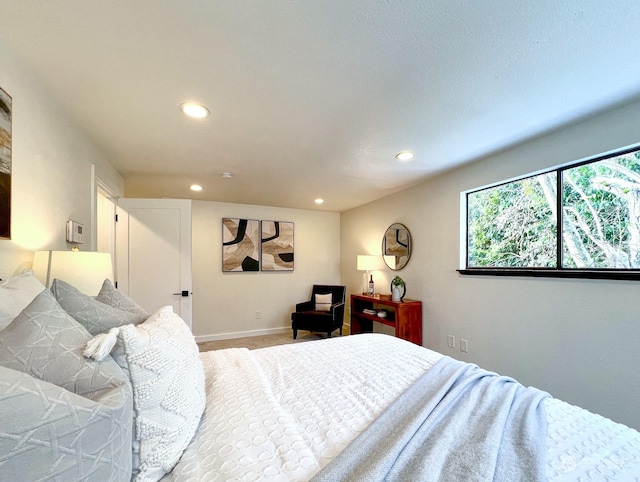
590,229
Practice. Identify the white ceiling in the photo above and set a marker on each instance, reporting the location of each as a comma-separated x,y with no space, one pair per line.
314,98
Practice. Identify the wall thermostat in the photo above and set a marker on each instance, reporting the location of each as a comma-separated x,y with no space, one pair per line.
75,232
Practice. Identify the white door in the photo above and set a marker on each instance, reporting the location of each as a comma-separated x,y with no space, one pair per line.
153,253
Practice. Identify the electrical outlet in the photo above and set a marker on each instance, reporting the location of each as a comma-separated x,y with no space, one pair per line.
464,345
258,315
451,341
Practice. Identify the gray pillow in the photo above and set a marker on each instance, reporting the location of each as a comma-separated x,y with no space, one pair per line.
63,417
49,433
95,316
109,295
47,343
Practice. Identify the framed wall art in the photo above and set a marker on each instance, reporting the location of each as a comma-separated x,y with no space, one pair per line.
240,244
5,164
277,246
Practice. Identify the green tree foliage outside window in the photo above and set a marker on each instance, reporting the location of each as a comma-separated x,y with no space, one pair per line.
515,224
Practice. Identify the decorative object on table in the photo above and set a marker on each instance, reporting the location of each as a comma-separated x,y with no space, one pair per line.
84,270
368,263
396,246
240,244
276,246
398,285
5,164
382,314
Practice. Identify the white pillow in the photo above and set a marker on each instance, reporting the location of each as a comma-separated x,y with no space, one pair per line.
16,293
323,302
168,390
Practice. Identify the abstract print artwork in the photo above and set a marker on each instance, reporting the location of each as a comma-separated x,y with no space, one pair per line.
277,246
5,165
240,244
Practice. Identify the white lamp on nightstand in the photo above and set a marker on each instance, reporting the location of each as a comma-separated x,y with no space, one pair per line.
368,263
84,270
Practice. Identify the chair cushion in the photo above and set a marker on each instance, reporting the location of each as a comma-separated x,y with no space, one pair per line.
318,319
323,302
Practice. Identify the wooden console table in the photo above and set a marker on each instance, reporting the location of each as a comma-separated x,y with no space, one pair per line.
404,317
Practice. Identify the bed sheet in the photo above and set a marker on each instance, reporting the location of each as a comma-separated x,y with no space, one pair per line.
282,413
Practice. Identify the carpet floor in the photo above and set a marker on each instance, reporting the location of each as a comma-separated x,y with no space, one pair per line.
254,342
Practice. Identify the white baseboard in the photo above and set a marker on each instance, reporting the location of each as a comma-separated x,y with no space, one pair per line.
243,334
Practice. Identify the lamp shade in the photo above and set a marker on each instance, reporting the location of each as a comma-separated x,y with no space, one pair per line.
368,262
84,270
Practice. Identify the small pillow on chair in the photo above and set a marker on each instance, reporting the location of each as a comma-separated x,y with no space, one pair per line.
323,302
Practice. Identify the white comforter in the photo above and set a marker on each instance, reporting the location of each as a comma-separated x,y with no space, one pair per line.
282,413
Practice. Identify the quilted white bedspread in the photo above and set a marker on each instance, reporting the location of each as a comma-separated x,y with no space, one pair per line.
284,412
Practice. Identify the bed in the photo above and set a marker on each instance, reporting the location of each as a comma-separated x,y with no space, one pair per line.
287,412
284,412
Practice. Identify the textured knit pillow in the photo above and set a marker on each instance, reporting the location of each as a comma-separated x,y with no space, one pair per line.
83,427
15,294
109,295
323,302
95,316
168,388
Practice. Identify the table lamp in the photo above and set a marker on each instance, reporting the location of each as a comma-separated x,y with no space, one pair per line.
368,263
84,270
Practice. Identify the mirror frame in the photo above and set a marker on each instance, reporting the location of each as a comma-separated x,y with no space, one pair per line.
402,259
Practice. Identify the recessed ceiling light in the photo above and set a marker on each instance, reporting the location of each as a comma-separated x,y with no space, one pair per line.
226,175
196,187
319,201
197,111
405,156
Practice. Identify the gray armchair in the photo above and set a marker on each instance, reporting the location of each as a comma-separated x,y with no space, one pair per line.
317,314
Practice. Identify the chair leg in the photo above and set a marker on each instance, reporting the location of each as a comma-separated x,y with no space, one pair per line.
328,334
295,333
340,331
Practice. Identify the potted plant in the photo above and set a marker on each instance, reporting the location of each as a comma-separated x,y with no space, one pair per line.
398,284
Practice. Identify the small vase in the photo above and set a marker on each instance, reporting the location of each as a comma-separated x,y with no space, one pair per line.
395,294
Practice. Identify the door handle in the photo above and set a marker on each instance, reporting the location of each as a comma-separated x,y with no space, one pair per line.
184,293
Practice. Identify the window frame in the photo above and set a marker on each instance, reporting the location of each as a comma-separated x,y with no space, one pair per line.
558,271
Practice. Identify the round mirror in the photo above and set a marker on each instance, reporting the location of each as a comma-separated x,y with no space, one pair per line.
396,246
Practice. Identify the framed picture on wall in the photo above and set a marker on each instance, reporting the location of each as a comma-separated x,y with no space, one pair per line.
240,244
277,246
5,164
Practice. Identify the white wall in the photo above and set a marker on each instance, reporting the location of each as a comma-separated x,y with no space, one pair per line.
577,339
225,304
51,178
